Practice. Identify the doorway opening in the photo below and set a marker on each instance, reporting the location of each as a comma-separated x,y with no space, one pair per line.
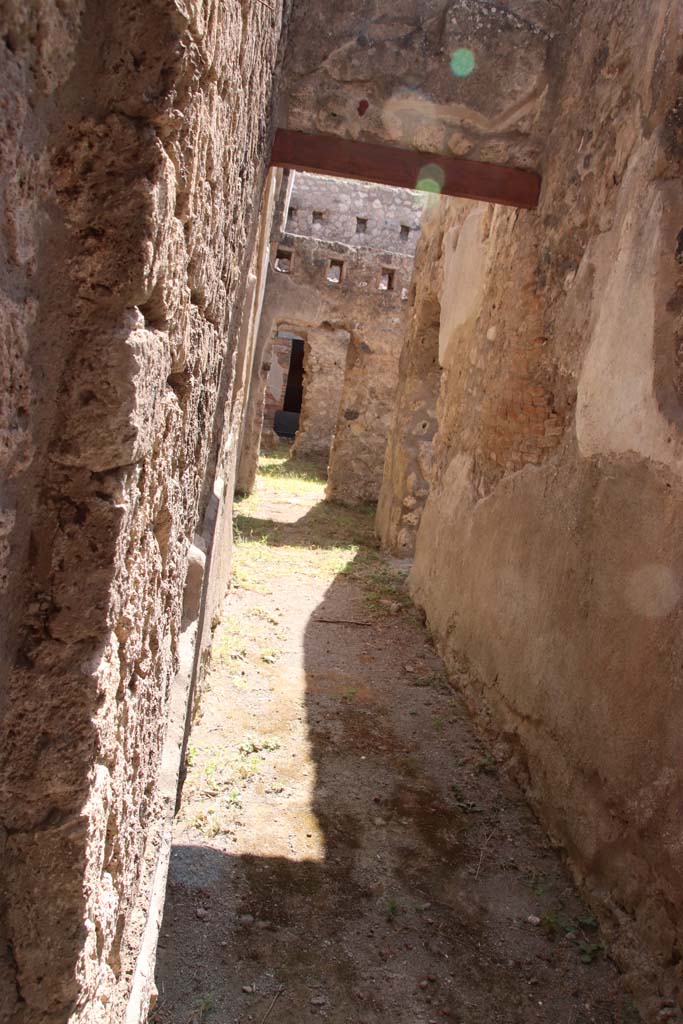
284,384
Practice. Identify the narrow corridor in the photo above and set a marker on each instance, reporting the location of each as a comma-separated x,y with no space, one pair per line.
346,848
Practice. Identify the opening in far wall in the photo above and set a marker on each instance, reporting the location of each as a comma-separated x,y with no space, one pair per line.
386,279
283,261
335,271
284,386
295,378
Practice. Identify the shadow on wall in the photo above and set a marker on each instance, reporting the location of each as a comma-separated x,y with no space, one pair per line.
396,916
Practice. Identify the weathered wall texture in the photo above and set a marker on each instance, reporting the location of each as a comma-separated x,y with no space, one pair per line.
133,143
324,365
362,71
276,382
304,301
408,461
550,554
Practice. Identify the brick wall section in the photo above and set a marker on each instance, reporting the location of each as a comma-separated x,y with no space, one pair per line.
385,210
520,421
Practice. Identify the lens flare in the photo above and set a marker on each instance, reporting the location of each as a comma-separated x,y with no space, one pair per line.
653,590
430,179
463,63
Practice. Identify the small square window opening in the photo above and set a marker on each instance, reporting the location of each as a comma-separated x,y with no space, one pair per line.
283,261
292,212
405,232
335,271
318,216
361,225
386,279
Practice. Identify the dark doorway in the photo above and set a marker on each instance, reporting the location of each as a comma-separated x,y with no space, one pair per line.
286,420
295,378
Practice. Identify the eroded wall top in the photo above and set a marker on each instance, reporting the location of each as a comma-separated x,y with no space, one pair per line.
463,78
356,213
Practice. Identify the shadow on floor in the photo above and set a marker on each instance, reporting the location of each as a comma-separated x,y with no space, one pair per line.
424,903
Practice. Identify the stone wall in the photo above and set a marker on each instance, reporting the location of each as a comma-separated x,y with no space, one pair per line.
408,461
456,77
549,556
133,145
351,323
320,208
324,367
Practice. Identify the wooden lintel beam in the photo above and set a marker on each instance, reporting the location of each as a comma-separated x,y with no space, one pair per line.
403,168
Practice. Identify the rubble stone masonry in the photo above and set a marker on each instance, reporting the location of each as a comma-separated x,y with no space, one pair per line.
133,144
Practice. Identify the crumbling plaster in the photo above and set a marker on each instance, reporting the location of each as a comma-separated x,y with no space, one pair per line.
409,456
548,558
385,76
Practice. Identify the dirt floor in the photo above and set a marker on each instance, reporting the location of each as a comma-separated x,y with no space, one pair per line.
346,848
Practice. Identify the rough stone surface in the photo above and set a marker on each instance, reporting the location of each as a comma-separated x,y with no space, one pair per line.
549,554
323,208
324,366
133,143
363,72
408,462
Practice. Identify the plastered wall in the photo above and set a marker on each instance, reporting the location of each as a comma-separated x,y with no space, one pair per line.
549,556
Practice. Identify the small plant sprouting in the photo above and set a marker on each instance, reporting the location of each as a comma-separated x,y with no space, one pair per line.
463,804
204,1007
487,765
253,745
589,951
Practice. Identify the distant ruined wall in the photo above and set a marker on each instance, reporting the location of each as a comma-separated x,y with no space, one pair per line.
330,210
304,300
550,554
133,145
408,461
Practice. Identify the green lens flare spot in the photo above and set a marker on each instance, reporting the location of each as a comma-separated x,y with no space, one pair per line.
463,63
430,179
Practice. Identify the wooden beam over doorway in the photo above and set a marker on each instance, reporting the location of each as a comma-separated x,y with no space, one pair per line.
403,168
